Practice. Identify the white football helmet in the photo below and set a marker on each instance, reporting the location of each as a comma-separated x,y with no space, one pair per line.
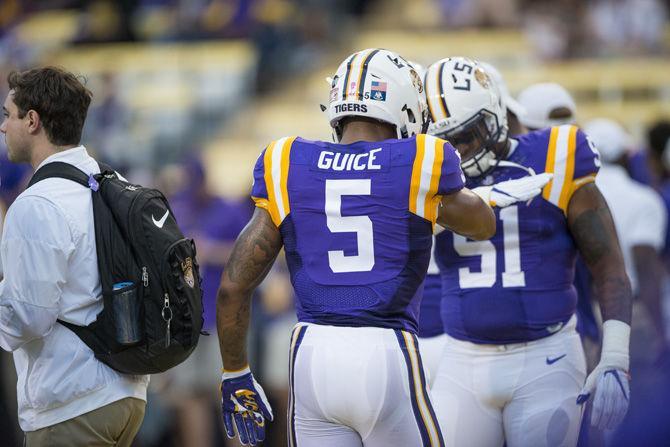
420,69
465,106
381,85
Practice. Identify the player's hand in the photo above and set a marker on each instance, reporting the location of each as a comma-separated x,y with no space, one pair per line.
612,395
245,406
512,191
610,379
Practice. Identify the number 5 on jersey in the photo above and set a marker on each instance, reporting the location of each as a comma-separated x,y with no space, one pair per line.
364,261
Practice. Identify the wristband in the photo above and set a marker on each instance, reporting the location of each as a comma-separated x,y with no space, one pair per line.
234,374
616,339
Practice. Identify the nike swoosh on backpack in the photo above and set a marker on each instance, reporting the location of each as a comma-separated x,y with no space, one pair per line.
554,360
161,222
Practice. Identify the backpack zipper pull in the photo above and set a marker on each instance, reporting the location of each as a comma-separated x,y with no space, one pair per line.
166,313
145,277
167,335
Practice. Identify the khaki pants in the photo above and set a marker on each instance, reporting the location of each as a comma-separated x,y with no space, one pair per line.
115,424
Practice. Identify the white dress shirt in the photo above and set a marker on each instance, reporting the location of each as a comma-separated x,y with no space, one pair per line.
51,272
638,212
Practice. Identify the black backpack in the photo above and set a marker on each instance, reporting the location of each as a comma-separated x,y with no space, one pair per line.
144,261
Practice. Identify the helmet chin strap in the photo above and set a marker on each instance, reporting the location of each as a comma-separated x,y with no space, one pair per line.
481,165
510,164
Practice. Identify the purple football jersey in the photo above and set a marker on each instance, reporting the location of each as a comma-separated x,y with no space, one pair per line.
518,286
430,320
356,222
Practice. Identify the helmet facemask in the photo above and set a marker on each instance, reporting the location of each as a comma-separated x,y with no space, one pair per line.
467,109
476,140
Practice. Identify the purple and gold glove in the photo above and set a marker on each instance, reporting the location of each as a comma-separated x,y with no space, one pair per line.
243,401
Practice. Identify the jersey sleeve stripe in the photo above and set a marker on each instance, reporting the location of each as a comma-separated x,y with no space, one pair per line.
549,165
566,191
430,202
277,177
426,177
560,164
426,173
285,158
269,170
277,152
416,172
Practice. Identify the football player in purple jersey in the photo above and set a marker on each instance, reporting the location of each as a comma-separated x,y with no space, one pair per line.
355,219
513,367
431,330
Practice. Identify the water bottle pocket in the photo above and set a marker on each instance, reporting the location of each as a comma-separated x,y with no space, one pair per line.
126,313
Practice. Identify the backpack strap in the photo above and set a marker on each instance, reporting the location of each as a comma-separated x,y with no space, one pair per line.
104,168
60,170
87,335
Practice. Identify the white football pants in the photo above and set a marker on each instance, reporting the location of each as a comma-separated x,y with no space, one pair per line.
358,387
432,349
521,394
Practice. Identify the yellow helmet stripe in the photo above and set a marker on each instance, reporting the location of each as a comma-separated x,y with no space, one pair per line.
357,67
345,86
440,87
364,72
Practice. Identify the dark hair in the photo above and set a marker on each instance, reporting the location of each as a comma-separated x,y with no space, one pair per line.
59,98
560,113
658,135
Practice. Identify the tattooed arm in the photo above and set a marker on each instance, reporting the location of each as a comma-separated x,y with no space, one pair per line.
253,254
594,233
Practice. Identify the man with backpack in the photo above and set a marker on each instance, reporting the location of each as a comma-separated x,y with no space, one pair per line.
66,395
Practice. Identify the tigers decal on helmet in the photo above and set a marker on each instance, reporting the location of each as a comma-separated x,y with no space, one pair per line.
381,85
